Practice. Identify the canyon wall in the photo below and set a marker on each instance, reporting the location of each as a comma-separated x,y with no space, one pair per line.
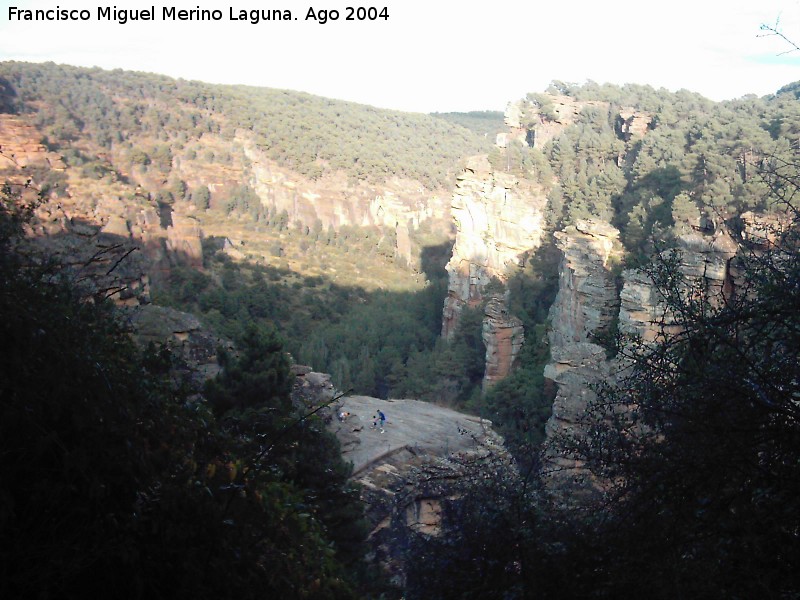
595,299
398,205
503,336
584,310
499,222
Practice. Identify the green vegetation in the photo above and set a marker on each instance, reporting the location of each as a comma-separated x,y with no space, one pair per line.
708,154
699,444
118,481
486,123
696,452
309,134
238,492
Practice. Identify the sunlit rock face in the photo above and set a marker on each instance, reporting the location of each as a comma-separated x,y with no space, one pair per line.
499,220
586,302
115,243
503,336
21,145
634,123
399,206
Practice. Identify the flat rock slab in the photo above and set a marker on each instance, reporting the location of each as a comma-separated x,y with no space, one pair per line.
420,427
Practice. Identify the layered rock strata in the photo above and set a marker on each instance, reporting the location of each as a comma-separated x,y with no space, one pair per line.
399,206
20,144
503,336
587,306
499,221
584,309
115,244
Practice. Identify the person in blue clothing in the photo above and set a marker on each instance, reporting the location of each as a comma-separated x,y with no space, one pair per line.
382,417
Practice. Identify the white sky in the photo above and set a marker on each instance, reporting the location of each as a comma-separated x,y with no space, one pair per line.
436,55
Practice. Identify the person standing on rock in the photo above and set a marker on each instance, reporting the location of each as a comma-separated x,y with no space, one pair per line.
383,420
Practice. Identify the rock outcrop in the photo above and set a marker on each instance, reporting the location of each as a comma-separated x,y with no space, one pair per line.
115,243
499,220
634,123
588,305
536,122
585,307
184,335
503,336
394,468
21,145
397,205
184,241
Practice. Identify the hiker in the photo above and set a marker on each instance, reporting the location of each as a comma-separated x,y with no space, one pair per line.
383,420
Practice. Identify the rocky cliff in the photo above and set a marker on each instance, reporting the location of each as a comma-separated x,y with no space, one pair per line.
408,472
398,205
503,336
499,221
116,239
534,122
589,305
584,309
21,144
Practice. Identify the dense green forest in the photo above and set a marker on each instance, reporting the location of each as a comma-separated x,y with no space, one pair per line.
487,123
309,134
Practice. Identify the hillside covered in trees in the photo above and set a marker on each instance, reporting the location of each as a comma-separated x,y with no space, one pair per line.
309,134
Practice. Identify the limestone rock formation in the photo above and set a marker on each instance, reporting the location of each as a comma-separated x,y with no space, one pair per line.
499,220
503,335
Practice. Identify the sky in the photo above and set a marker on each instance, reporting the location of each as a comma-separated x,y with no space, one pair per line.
433,55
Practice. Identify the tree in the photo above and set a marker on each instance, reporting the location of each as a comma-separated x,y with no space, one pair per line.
115,481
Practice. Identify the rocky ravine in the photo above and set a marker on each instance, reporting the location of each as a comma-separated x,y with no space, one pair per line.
499,220
397,205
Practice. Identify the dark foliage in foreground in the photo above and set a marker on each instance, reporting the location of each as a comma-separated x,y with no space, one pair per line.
114,483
